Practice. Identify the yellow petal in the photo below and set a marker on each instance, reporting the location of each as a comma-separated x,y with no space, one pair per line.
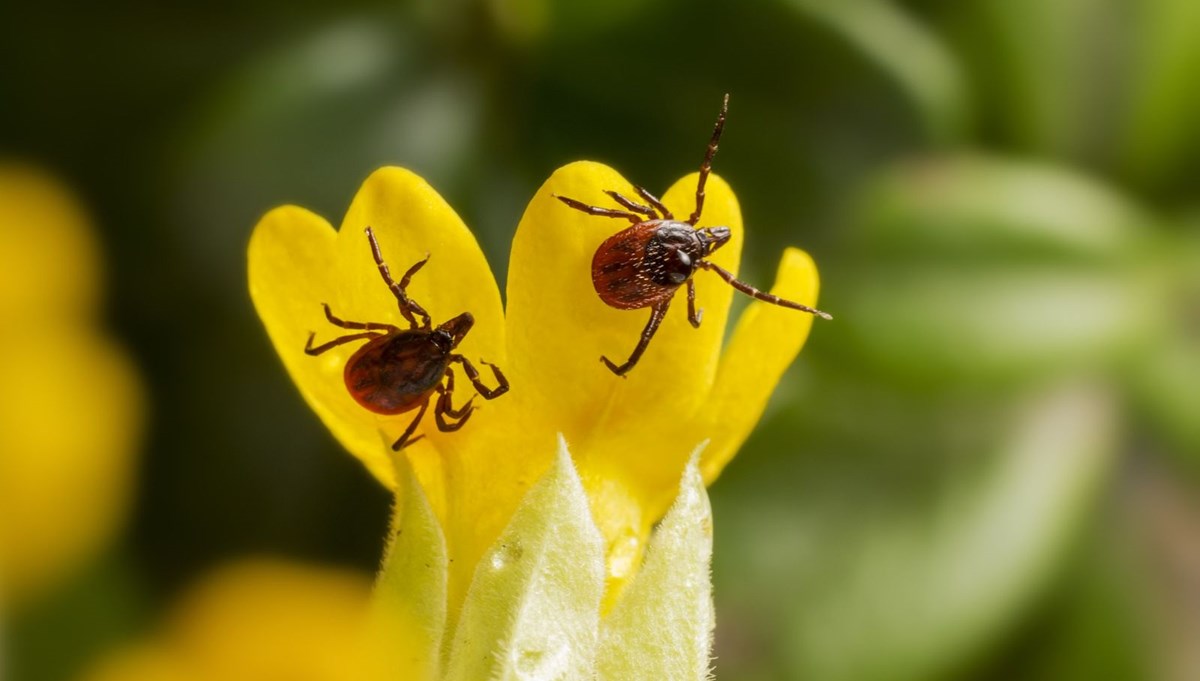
297,262
766,340
49,267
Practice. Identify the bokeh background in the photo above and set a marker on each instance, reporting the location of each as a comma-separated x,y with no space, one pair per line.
986,468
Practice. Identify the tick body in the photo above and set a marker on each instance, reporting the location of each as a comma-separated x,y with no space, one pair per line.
393,374
399,370
642,266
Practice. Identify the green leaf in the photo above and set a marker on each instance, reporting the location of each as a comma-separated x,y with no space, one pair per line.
885,567
995,271
1044,71
533,609
1095,625
1166,377
994,326
1163,137
913,56
1168,386
662,626
409,603
995,208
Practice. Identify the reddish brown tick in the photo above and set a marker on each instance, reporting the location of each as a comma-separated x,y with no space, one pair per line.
644,265
398,370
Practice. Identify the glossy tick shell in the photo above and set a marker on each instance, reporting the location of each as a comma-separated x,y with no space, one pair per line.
395,373
637,267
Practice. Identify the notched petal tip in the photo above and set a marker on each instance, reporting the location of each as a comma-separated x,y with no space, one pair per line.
557,334
289,250
411,222
289,216
292,269
298,262
557,326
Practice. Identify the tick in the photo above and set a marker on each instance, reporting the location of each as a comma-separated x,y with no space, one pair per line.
644,265
399,370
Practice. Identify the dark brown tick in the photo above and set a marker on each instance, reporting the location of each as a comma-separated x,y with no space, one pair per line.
398,370
644,265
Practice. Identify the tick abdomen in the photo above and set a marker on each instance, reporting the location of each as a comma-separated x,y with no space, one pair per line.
393,374
621,274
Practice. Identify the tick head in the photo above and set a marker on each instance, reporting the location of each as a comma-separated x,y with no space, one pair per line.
456,329
713,238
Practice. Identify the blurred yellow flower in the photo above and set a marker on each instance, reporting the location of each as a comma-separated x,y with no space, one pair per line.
70,403
257,620
51,261
629,438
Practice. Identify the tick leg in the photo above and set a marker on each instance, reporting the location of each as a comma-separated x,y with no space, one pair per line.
755,293
473,374
411,304
442,410
444,404
706,167
412,427
632,205
653,200
656,316
694,315
365,326
597,210
407,278
408,307
310,350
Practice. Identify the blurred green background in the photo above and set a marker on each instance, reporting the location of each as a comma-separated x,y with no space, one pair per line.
985,468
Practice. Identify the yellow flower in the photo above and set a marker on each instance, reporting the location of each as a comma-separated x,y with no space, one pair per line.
630,438
253,620
70,403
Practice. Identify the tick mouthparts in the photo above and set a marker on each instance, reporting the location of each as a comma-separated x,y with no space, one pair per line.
714,237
